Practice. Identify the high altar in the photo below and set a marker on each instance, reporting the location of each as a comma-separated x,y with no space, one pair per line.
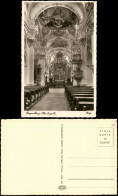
59,71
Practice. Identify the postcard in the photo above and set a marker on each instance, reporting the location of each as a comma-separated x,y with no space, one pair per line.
59,157
59,59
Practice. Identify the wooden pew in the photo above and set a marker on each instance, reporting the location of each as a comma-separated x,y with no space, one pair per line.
72,94
32,94
85,106
27,98
72,97
80,98
69,96
71,90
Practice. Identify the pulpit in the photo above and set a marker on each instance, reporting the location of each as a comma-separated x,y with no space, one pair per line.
77,72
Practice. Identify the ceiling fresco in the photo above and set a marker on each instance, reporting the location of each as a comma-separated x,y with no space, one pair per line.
60,27
59,43
59,17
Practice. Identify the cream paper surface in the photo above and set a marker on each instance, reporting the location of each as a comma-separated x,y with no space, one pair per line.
59,156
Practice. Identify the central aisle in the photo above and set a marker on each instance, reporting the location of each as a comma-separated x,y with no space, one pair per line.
55,100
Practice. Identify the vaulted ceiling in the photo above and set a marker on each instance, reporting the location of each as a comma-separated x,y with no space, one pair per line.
58,25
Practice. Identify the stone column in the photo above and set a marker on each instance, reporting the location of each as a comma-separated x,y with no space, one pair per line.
72,74
90,63
74,70
41,61
42,75
48,74
84,63
25,63
29,69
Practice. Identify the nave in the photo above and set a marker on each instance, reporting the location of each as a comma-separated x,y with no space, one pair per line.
54,100
78,98
59,61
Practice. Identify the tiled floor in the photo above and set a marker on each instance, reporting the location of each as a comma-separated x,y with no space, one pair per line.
55,100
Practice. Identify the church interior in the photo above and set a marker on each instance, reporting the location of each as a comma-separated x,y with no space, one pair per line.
58,56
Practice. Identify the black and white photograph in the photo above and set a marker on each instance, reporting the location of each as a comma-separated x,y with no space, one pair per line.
59,59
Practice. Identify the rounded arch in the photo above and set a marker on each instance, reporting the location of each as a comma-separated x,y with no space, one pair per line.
54,51
53,39
36,8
